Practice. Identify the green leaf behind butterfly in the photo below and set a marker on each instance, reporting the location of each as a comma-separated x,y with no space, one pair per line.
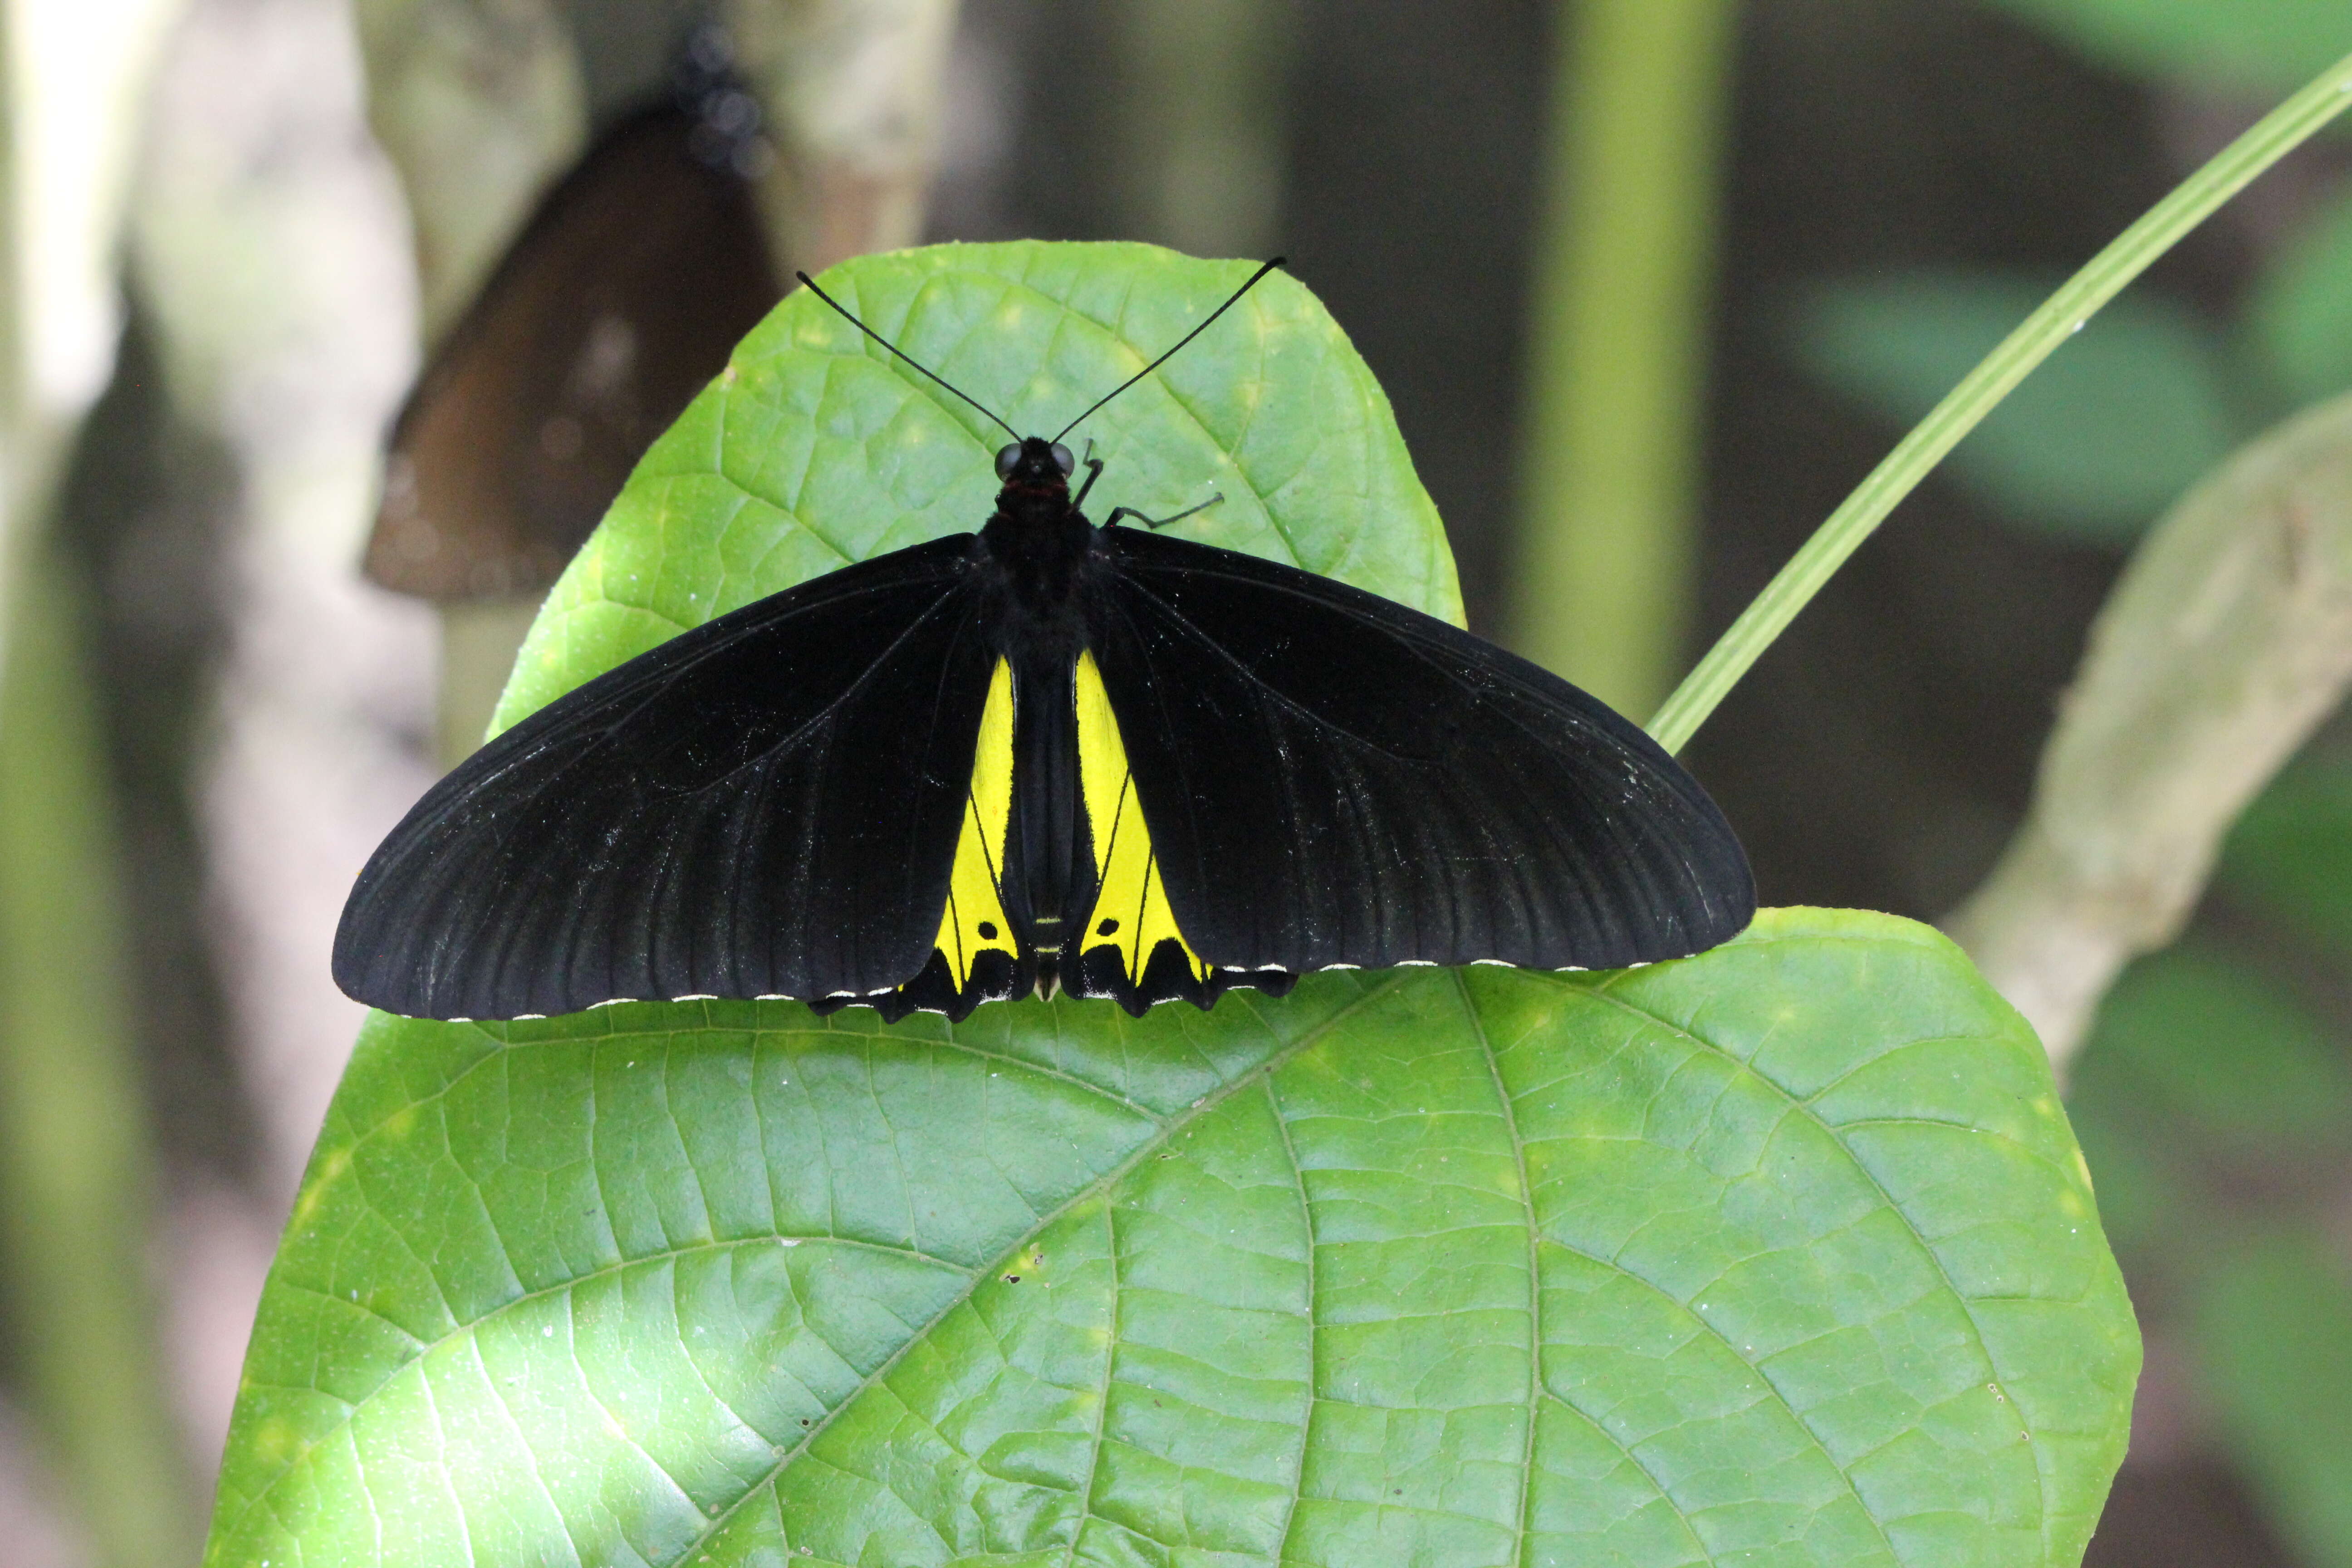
1783,1254
1784,1250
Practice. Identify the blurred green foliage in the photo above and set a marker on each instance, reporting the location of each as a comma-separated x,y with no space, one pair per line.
2091,446
2223,1056
75,1166
2095,445
1609,464
2214,1099
2214,1105
2260,47
2273,1330
2290,853
2298,315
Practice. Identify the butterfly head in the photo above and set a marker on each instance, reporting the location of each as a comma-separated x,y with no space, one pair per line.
1035,463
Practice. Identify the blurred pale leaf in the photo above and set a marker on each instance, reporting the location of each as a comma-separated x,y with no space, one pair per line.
1781,1254
2262,47
2274,1339
2300,311
2092,446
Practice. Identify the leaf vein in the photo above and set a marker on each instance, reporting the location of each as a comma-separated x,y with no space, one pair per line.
1935,1259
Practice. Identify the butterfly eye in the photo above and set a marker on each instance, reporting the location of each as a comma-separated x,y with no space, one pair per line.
1006,457
1061,458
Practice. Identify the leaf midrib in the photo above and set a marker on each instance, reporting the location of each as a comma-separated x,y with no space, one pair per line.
1090,1192
1164,1126
656,1039
1535,1385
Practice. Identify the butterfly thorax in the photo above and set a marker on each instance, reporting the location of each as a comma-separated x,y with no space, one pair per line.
1039,542
1037,548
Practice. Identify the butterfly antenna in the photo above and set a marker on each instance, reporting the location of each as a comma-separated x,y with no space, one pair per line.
894,349
1188,337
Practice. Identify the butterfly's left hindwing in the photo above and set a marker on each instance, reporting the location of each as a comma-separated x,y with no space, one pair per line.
1129,947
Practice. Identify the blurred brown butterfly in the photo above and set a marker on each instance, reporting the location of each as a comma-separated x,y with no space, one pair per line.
622,297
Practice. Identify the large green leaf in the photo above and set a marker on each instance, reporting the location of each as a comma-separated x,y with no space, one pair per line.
2092,446
2261,46
1783,1254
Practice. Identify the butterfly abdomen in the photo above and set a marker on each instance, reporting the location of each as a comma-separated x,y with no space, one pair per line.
1050,864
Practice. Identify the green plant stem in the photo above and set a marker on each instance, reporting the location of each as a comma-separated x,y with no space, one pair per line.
1199,131
74,1163
2060,317
1611,461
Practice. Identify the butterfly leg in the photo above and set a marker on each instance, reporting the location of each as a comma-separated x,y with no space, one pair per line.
1159,521
1094,467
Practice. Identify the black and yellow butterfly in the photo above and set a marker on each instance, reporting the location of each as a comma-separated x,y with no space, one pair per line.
1046,754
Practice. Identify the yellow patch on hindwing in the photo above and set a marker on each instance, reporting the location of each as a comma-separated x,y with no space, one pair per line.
1132,901
975,919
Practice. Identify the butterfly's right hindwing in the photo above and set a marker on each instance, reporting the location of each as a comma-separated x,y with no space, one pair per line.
1131,934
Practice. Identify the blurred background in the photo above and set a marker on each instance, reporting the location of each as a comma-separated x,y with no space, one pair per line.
296,286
